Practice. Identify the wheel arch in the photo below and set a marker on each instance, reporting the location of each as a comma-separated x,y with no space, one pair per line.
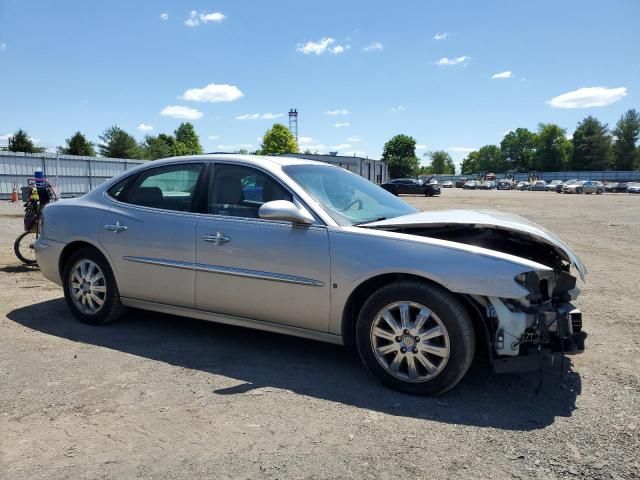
73,247
481,323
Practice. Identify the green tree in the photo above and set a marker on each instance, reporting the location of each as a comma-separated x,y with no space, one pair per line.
78,145
187,141
441,163
400,155
627,132
490,159
161,146
117,143
518,149
278,139
470,164
21,142
591,142
553,150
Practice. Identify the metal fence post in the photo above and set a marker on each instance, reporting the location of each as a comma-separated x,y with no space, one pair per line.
90,179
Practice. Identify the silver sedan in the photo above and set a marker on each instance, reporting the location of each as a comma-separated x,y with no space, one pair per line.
309,249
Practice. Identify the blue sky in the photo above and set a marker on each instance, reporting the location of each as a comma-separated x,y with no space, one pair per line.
382,68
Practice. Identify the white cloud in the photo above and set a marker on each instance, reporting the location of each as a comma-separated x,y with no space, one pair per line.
214,93
248,116
235,147
325,44
3,46
373,47
398,108
196,18
354,139
507,74
447,62
588,97
440,36
341,124
143,127
256,116
340,146
213,137
462,149
164,16
179,111
420,146
339,111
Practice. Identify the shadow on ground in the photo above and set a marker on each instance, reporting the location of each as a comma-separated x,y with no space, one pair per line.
22,268
260,359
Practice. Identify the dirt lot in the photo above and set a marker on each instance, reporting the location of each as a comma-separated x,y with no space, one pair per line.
156,396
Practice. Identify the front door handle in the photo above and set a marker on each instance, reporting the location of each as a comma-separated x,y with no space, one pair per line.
117,228
218,239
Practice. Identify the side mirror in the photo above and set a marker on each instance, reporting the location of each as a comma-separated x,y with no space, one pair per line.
286,211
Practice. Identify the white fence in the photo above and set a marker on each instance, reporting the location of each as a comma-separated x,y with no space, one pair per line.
72,175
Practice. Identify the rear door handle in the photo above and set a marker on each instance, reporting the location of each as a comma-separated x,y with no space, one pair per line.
218,239
117,228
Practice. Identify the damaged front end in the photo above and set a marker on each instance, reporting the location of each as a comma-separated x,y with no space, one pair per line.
528,332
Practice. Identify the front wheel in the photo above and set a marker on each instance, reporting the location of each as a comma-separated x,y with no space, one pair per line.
24,248
599,191
90,288
415,337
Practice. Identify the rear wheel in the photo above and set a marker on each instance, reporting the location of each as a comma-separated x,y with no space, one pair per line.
90,288
578,190
415,338
24,248
599,191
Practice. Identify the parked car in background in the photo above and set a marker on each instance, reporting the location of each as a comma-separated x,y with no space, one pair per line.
615,187
633,188
321,253
411,186
461,181
538,186
584,186
552,186
470,185
504,185
447,184
522,185
560,188
490,176
487,185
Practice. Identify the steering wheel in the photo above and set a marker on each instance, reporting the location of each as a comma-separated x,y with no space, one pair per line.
357,201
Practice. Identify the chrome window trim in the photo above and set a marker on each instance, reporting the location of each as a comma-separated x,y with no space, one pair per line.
237,272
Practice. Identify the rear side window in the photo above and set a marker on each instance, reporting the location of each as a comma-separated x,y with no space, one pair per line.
172,187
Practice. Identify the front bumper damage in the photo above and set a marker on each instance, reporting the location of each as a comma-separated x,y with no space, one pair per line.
529,338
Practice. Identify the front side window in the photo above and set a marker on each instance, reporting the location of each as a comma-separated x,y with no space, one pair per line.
348,198
169,188
240,191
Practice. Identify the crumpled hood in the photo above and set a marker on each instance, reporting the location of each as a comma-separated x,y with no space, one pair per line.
488,219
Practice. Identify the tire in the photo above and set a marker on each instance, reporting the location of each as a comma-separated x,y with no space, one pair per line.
599,191
23,248
456,337
103,288
578,190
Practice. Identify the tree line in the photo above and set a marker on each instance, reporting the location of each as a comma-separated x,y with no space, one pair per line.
592,147
117,143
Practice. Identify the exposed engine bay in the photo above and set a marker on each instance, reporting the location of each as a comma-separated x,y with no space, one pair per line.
524,331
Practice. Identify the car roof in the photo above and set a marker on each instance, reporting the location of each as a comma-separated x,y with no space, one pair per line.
258,160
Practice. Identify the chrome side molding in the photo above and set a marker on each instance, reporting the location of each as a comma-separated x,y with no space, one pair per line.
238,272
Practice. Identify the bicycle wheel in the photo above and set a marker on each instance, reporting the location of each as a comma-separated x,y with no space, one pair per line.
24,247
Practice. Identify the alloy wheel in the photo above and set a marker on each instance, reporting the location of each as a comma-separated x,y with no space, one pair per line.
410,341
88,287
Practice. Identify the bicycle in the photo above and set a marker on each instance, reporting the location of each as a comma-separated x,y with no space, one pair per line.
38,193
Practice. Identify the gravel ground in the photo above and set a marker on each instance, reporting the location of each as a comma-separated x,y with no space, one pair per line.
155,396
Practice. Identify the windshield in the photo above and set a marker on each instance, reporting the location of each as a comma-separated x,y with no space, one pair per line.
348,198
